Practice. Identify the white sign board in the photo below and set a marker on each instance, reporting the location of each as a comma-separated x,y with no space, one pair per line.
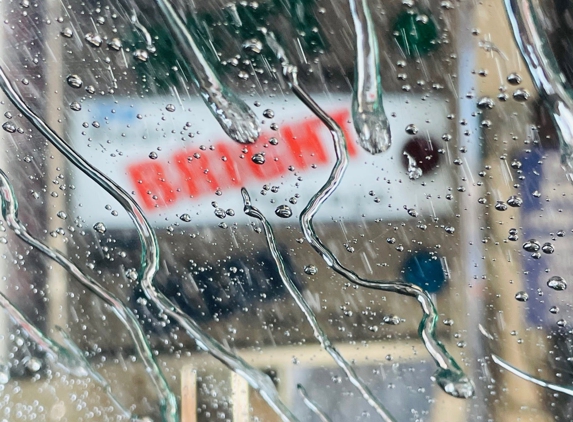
178,162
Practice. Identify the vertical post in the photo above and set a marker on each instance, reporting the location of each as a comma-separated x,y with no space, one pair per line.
57,277
518,399
4,269
188,394
240,398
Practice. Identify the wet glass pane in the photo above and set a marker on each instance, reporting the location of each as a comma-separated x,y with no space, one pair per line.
286,210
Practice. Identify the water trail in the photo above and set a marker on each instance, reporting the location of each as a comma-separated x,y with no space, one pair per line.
150,260
70,359
368,114
319,334
235,117
311,405
550,82
144,32
168,400
449,376
414,172
505,365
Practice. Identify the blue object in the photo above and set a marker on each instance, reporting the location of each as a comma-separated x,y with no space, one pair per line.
425,270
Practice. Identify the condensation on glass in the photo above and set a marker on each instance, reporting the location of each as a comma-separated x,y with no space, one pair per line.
285,210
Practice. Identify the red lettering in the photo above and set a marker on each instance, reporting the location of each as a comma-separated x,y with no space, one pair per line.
276,160
151,185
183,163
196,170
230,167
203,171
305,144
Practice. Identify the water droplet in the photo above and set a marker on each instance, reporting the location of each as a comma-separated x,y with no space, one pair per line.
521,296
268,113
513,235
258,158
67,32
74,81
90,89
141,55
62,215
243,75
76,106
254,45
185,217
94,39
548,248
514,201
310,269
557,283
554,309
9,127
561,323
411,129
283,211
170,108
414,172
131,274
531,245
153,155
115,44
521,95
100,227
34,364
485,103
273,141
515,164
412,212
514,78
456,384
500,206
220,212
4,374
391,319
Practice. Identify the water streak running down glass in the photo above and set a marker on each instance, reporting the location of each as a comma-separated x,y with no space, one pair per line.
553,87
234,116
368,113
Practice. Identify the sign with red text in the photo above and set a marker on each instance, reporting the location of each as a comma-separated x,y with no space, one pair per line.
176,161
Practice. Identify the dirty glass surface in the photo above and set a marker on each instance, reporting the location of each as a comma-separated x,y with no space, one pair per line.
286,210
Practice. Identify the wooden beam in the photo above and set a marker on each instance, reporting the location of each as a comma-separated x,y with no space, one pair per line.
188,394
